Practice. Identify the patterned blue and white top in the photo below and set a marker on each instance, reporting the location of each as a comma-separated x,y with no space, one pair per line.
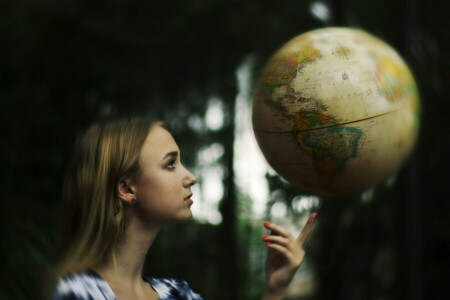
91,286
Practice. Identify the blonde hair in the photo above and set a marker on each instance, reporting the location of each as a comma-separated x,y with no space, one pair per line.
95,217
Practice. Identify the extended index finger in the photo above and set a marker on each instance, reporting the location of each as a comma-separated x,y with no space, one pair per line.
306,231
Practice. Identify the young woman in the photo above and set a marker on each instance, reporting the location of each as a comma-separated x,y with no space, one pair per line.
127,182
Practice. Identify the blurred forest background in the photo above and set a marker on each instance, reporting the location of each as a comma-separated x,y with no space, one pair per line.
66,64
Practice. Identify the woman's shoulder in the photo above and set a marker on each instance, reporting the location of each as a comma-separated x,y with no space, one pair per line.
89,285
82,286
172,288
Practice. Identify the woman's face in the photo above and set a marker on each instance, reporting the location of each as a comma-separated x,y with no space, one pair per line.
163,187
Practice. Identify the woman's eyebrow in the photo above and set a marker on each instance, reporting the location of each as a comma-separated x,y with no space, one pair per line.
172,154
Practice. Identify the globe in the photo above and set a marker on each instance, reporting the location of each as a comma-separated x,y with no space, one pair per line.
336,111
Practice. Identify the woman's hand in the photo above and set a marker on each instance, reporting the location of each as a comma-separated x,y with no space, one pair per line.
285,254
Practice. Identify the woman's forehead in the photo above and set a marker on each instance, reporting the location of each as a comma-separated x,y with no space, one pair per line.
158,143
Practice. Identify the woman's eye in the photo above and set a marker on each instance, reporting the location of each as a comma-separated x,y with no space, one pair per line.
171,164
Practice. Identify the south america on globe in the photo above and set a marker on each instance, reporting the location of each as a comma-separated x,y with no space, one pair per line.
336,111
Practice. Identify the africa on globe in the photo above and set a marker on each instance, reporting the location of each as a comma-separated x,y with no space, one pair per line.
336,111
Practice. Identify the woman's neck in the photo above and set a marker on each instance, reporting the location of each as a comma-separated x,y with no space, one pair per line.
130,256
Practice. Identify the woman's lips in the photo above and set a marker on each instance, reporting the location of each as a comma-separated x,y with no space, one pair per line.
188,199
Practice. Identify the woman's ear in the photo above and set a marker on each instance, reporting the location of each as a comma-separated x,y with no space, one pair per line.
126,191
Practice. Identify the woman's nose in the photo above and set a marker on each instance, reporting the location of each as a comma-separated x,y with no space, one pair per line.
190,179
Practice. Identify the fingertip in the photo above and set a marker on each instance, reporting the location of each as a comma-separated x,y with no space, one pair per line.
314,216
266,223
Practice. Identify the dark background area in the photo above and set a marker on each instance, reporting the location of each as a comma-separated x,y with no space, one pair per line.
66,64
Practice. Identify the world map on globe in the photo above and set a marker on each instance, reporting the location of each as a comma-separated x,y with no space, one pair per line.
336,111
